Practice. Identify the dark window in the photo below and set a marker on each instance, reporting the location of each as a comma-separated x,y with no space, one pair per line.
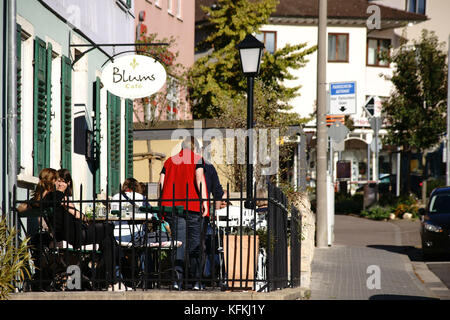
269,38
440,203
421,6
417,6
375,49
338,47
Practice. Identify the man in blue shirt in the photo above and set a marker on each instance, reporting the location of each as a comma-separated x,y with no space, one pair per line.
215,193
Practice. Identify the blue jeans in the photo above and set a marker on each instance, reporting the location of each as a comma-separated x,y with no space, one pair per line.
187,229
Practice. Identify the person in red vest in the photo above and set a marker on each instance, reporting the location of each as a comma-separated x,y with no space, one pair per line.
182,179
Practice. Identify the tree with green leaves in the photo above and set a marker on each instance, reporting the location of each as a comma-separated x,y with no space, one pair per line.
416,111
218,73
234,116
153,106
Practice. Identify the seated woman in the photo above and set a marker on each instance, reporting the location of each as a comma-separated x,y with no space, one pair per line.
47,178
69,224
128,198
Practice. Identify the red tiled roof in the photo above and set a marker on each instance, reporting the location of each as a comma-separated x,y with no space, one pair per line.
337,9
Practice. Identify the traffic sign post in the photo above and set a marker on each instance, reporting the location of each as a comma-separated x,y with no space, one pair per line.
373,143
337,133
343,98
375,124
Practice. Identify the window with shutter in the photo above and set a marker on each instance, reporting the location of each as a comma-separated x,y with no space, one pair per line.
19,94
40,103
97,150
113,143
66,113
48,94
129,139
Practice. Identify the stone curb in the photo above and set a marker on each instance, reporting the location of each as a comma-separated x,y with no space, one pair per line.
285,294
430,280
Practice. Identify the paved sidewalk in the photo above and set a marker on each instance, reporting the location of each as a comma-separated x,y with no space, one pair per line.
341,271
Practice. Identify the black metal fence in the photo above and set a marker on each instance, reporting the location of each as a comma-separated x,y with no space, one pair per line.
239,249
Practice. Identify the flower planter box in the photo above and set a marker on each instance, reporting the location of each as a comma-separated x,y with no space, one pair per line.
240,260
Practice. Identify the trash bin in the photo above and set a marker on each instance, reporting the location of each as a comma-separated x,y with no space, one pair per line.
370,194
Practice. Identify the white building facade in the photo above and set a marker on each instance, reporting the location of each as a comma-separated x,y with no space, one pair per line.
59,54
352,50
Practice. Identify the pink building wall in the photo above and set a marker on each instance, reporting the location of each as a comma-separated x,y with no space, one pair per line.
179,24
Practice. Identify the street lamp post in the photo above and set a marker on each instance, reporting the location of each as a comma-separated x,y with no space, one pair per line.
250,52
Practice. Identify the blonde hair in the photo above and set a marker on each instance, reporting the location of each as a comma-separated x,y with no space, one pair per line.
190,143
47,178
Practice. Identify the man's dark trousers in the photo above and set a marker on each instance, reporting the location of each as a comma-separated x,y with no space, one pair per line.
187,229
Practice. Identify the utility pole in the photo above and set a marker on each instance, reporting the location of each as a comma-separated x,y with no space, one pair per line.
448,115
376,174
321,131
397,181
12,101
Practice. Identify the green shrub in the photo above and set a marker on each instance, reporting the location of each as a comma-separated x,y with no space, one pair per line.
400,205
346,203
13,261
377,213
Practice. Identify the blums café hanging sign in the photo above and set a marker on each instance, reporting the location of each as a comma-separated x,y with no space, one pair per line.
133,76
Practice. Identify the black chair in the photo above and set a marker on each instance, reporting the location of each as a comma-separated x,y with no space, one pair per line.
52,258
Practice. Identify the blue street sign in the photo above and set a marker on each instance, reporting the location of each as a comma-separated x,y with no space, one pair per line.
342,98
342,88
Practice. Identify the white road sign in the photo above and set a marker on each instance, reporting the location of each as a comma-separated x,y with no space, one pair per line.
338,131
343,98
338,146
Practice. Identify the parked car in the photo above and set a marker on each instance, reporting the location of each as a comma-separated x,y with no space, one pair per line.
435,223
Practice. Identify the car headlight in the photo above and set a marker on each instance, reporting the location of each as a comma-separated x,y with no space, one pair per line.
432,227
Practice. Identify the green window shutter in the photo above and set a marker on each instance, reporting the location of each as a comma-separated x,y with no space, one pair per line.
48,94
66,113
117,143
40,120
109,124
129,138
97,150
113,143
19,94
